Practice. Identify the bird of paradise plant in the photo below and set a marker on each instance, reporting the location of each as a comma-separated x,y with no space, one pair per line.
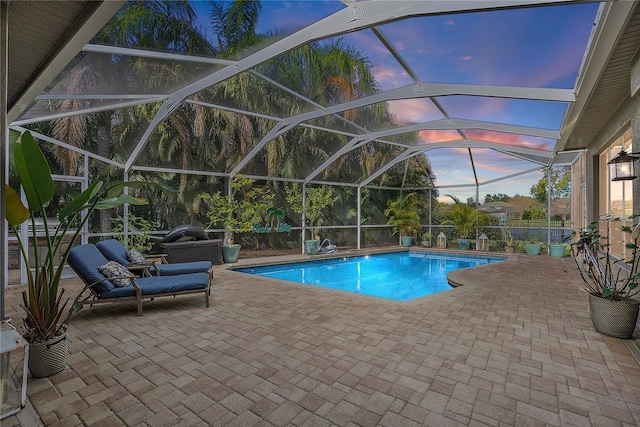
43,300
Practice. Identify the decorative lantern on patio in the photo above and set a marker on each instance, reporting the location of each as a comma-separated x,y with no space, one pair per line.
482,244
14,356
441,240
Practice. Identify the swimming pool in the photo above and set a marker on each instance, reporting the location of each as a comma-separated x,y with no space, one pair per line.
398,276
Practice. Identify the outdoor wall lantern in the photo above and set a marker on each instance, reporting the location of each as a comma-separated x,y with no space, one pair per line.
482,244
441,240
14,360
623,166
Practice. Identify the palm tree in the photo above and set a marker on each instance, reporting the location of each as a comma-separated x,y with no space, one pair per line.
163,25
463,217
234,24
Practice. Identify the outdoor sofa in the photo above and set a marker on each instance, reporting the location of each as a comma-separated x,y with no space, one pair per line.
86,260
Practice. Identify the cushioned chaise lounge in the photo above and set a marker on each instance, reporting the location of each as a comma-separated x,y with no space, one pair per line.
86,261
114,251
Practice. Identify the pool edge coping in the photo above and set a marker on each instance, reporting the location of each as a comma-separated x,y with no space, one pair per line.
457,285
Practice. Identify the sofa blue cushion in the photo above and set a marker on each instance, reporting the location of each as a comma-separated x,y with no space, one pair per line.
85,260
161,285
113,250
182,268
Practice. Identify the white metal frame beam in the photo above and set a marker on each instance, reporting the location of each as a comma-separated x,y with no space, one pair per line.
363,15
90,110
430,90
53,141
472,143
459,124
142,53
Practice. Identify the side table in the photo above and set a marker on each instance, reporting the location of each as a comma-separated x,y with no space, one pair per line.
140,268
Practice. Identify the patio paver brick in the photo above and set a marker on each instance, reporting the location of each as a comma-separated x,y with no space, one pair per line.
513,346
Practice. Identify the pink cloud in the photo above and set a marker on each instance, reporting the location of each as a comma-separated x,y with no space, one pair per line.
467,58
432,136
503,169
417,110
390,78
511,139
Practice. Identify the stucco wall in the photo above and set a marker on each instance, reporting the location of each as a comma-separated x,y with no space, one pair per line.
627,113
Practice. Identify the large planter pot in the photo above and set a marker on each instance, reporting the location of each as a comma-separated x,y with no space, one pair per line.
230,253
47,358
614,318
407,240
464,243
311,246
533,248
556,250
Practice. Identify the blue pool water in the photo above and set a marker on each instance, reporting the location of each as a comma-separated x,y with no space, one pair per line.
398,276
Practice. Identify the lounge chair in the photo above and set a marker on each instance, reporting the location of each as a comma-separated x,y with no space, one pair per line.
113,250
86,261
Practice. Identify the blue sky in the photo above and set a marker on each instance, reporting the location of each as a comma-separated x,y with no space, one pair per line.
536,47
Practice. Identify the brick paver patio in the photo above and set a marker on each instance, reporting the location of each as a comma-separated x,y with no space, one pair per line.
513,346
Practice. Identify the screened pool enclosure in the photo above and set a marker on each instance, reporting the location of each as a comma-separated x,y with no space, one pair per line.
372,99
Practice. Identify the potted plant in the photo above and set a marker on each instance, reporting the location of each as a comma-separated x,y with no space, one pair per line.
557,249
533,245
47,311
611,283
426,239
403,215
316,200
464,218
510,245
236,212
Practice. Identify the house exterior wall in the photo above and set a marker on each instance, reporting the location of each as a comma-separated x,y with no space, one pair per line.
627,114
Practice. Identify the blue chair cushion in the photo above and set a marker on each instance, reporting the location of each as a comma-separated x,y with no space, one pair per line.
85,260
182,268
161,285
114,251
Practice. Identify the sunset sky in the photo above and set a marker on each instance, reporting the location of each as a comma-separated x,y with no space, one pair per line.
534,47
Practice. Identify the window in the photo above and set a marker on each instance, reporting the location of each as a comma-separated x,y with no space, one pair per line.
579,192
616,198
